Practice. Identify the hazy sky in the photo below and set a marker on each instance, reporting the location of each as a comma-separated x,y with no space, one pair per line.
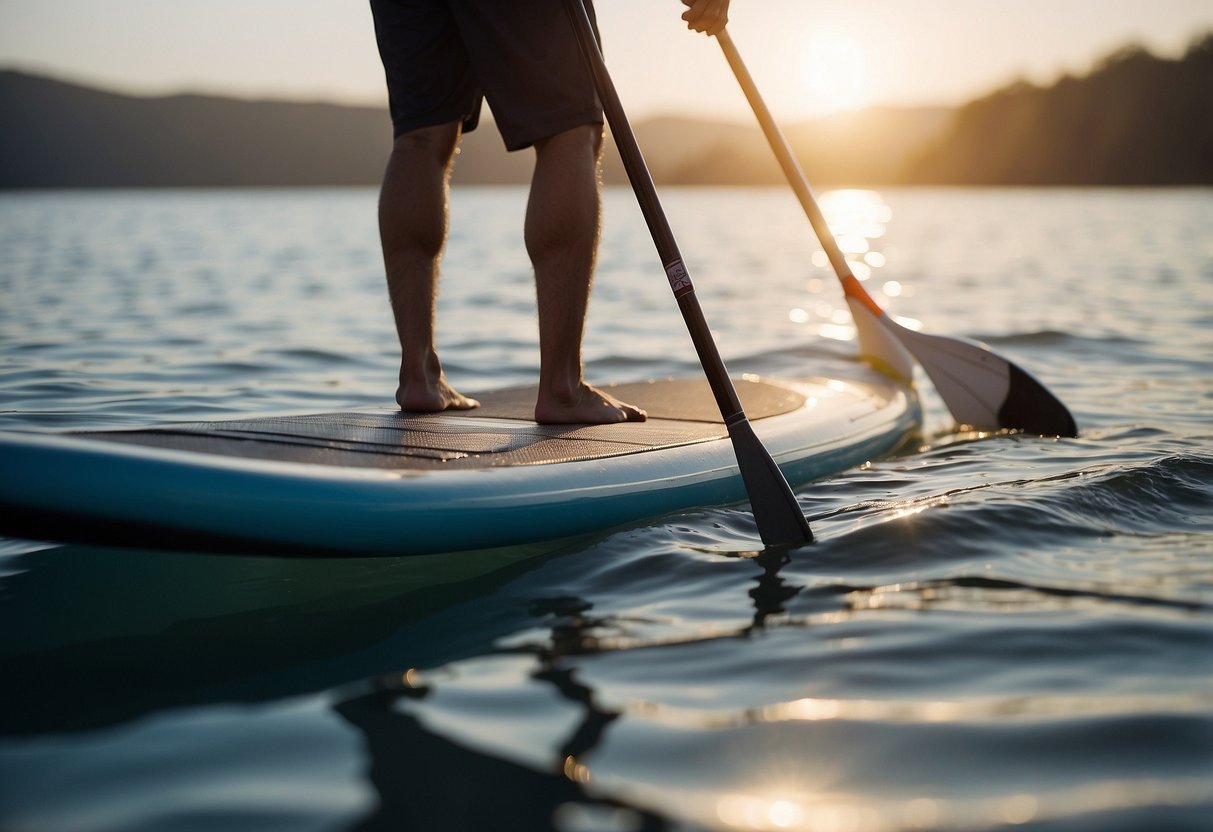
808,56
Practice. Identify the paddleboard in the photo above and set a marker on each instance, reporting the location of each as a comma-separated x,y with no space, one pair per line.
382,482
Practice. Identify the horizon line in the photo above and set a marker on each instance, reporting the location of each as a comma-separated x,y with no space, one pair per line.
152,90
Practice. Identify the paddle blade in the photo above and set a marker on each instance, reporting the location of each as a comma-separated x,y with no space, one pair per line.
983,389
878,345
778,515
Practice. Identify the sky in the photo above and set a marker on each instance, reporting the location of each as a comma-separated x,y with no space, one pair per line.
808,57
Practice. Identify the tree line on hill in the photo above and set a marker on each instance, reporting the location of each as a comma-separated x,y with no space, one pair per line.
1134,119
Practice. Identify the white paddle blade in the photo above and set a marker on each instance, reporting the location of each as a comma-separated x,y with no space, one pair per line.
878,345
979,388
971,380
983,389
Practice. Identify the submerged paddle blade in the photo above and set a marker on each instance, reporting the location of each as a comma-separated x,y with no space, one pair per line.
983,389
776,511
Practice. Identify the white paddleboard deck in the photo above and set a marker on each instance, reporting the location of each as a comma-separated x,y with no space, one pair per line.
382,482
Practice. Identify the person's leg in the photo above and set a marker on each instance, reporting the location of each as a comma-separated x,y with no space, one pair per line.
412,229
562,228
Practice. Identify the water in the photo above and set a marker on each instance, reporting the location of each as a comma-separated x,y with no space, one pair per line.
989,632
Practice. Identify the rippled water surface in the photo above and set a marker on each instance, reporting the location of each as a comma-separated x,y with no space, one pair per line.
990,631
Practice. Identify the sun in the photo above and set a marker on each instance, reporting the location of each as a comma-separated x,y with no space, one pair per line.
833,66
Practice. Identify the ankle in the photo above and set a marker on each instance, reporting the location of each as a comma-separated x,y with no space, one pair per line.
420,368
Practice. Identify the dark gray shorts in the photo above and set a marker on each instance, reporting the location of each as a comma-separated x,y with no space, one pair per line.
442,57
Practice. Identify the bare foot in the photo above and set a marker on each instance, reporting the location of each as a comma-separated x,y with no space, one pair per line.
586,406
432,397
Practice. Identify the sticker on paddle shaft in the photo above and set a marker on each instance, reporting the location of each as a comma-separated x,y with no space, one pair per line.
680,281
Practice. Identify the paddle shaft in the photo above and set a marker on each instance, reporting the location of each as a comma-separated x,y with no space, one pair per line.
776,511
977,386
795,176
654,216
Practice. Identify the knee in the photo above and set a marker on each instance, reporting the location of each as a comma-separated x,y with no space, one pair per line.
585,140
428,145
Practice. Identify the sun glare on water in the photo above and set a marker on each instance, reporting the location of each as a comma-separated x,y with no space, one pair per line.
834,68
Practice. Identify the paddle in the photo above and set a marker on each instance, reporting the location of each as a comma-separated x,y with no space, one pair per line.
778,515
979,387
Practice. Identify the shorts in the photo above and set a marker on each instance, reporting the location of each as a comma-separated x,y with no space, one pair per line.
442,57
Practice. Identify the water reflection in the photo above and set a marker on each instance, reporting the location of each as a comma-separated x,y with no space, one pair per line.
836,762
177,630
404,755
424,781
858,219
408,763
772,592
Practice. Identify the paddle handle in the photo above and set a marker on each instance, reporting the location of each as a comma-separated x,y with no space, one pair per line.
795,175
654,216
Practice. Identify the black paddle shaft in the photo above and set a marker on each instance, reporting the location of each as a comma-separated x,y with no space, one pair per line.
654,215
778,515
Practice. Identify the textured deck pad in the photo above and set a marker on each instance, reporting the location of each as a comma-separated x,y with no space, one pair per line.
681,399
500,432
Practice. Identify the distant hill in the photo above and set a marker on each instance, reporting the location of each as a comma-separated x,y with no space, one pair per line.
61,135
865,147
1136,119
